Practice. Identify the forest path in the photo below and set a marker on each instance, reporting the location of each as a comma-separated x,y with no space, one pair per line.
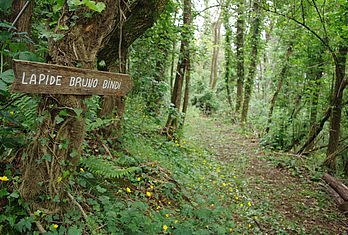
280,198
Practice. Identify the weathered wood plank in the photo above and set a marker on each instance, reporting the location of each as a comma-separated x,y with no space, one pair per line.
32,77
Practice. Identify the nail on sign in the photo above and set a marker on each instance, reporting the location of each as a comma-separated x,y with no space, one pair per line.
32,77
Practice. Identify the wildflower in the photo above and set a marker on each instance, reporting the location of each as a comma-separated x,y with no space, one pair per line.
139,178
222,176
128,190
158,207
11,112
249,203
4,178
223,184
151,186
249,225
241,204
165,227
148,194
218,170
169,203
237,198
176,221
55,226
82,170
167,215
231,229
214,182
207,226
59,179
234,176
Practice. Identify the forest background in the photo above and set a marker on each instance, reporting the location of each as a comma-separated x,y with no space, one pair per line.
275,69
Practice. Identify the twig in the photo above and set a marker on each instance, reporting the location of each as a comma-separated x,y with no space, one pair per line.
78,205
38,224
104,146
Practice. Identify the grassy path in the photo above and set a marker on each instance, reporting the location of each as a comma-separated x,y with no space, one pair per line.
258,192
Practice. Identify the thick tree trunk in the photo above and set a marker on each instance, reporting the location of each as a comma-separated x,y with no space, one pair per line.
337,97
135,20
240,54
55,151
255,38
279,87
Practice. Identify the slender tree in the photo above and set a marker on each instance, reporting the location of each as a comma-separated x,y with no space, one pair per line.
254,41
183,64
216,49
239,42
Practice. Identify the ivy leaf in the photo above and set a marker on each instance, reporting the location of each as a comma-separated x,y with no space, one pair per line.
3,86
5,4
7,76
24,224
99,7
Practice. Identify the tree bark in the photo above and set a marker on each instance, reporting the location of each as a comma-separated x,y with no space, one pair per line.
228,55
340,188
240,25
216,49
187,88
255,38
337,97
184,58
55,151
135,20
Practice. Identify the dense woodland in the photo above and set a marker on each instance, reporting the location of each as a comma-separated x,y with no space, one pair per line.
237,122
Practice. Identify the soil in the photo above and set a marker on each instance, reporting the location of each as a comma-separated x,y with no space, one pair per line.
289,199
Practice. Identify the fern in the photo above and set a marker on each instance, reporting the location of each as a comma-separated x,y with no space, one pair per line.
105,168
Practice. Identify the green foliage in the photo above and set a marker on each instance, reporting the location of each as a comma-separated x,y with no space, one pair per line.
107,169
206,101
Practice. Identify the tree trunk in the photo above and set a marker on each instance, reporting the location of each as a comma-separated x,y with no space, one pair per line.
240,54
187,88
340,188
228,55
135,20
173,119
216,49
55,151
337,97
255,38
279,87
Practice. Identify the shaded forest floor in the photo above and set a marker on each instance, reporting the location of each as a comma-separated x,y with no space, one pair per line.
269,193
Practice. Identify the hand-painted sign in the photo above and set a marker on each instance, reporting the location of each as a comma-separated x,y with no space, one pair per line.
43,78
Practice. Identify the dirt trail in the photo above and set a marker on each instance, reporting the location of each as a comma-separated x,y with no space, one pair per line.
285,198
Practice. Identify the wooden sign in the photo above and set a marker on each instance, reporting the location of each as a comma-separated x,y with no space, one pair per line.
43,78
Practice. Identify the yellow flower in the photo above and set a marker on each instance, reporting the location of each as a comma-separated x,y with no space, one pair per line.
176,221
207,226
241,204
165,227
249,203
59,179
222,176
55,226
231,229
223,184
151,186
82,170
4,178
234,176
169,203
237,198
128,190
218,170
249,225
148,194
11,112
158,207
214,182
167,215
139,178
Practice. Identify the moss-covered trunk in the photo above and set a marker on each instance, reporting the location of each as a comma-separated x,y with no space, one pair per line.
53,154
